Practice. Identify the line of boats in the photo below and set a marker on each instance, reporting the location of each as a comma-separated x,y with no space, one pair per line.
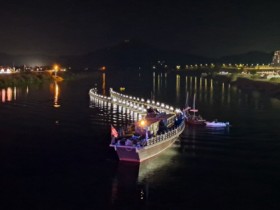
160,125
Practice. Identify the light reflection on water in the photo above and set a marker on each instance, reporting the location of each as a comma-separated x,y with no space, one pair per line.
56,95
178,87
114,114
132,180
12,93
15,93
8,94
213,93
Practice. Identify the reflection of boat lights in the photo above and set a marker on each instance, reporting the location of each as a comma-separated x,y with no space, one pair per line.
135,178
104,84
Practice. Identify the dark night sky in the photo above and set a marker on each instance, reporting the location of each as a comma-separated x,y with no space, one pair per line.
209,28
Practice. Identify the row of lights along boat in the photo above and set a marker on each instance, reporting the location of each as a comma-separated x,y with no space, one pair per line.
160,126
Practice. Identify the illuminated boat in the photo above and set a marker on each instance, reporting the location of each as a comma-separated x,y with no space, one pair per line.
215,124
152,136
158,129
196,121
191,116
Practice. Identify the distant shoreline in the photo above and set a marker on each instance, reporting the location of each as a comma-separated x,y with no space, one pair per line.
18,79
270,87
29,78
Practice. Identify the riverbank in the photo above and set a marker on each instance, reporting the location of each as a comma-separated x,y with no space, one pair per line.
18,79
267,86
25,78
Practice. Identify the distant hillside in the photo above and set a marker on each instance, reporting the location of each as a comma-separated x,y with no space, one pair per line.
131,54
134,54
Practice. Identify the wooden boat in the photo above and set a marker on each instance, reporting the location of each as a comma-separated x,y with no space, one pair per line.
159,128
152,136
191,117
196,121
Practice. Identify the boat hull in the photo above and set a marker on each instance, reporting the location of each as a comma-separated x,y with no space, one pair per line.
196,122
139,154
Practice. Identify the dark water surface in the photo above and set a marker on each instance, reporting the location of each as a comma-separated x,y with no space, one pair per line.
55,154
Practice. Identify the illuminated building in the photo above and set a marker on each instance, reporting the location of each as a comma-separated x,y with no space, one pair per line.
276,58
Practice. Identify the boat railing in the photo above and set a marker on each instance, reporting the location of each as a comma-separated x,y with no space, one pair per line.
167,135
150,141
159,106
120,99
93,93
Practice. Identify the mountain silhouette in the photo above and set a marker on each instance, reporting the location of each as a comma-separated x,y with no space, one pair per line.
132,55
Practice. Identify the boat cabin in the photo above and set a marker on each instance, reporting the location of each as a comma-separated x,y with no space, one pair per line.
153,122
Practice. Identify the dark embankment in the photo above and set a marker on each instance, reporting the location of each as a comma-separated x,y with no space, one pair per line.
23,78
19,79
270,88
266,86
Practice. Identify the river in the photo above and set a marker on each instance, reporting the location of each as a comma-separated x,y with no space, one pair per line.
55,150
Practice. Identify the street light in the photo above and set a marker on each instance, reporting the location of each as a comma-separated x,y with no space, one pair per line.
55,69
142,123
145,127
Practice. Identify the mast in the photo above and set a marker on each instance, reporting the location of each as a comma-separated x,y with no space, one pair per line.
193,109
194,104
152,96
187,100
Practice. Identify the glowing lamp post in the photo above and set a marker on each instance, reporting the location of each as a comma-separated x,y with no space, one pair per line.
143,123
55,69
144,126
